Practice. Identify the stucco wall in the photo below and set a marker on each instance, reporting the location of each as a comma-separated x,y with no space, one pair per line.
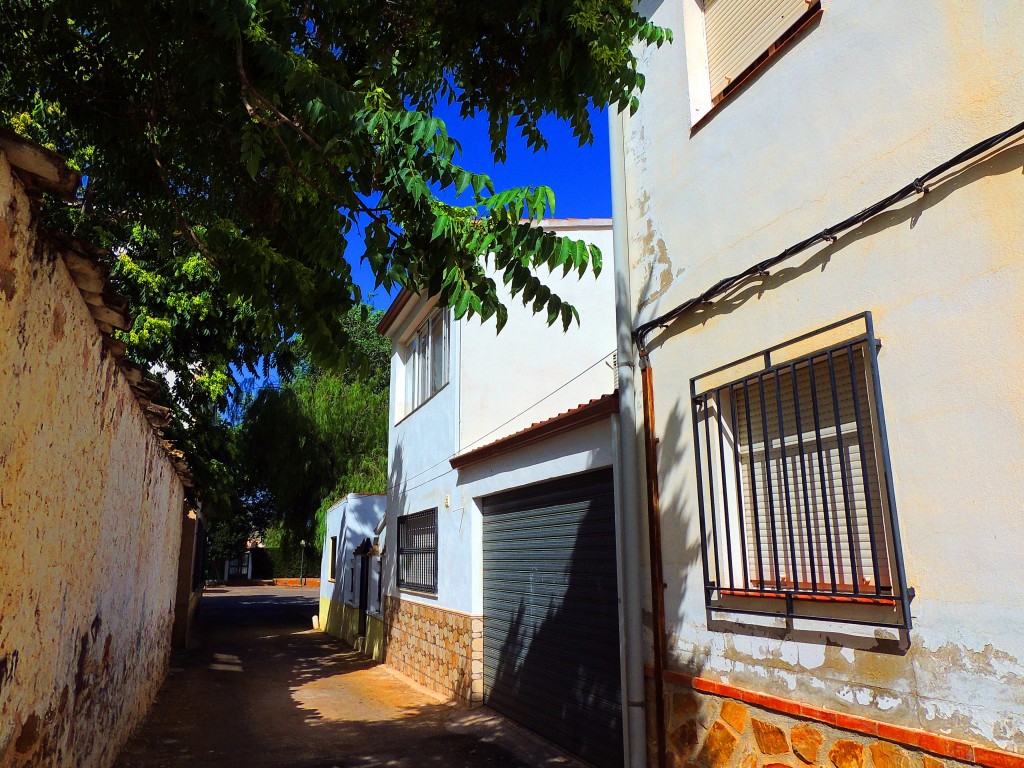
863,102
90,520
498,385
531,371
352,520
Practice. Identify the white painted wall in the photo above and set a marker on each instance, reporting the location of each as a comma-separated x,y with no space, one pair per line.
530,371
353,520
498,385
864,102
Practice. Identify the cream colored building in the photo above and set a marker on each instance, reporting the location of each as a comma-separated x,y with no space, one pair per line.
839,436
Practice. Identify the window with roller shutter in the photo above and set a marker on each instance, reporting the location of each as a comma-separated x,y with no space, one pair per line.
741,33
795,496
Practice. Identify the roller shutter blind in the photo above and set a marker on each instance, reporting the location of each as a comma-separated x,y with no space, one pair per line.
810,516
551,630
739,31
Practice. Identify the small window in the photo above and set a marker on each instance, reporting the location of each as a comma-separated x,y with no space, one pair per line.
794,502
334,559
427,360
417,551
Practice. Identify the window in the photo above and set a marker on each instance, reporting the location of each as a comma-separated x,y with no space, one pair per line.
427,360
417,551
726,40
332,573
792,470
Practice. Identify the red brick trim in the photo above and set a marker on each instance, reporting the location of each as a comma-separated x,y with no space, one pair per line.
911,737
588,413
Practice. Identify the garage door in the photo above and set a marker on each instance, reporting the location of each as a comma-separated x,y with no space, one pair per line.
551,622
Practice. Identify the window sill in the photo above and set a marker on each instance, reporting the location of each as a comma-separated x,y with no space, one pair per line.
417,592
771,595
441,389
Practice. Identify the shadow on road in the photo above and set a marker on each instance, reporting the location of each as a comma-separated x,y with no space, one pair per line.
264,689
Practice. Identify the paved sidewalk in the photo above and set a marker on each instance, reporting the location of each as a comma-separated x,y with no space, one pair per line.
265,690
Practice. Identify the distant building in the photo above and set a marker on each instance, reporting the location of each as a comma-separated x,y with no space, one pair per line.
350,571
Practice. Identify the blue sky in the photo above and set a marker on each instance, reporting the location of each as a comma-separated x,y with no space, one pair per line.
578,175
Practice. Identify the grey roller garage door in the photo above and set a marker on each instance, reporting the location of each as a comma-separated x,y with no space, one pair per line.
551,622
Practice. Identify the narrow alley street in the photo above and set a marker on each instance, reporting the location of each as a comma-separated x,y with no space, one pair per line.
263,689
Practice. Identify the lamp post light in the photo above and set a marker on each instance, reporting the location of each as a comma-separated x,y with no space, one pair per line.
302,563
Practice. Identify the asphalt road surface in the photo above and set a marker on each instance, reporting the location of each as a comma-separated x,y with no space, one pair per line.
264,689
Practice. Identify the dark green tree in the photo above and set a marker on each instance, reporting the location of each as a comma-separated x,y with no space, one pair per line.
263,135
234,148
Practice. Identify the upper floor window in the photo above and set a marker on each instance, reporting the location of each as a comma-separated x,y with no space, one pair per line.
727,40
426,367
795,504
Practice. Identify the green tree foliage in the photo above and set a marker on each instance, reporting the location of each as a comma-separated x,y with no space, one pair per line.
234,148
263,134
308,444
299,447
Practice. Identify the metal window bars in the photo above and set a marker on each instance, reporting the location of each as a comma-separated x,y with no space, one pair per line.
417,551
797,513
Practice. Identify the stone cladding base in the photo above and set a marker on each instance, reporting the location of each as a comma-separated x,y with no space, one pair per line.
439,649
709,731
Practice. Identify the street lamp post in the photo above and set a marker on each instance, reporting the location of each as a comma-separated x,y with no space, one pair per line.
302,563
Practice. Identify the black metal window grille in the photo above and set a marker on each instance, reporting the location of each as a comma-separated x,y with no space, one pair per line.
417,551
796,503
333,572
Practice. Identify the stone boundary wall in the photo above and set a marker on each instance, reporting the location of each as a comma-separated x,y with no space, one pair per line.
709,730
439,649
91,508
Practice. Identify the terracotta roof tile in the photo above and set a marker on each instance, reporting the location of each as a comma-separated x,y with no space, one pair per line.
586,413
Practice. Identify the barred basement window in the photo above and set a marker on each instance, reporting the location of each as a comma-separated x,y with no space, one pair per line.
417,551
796,505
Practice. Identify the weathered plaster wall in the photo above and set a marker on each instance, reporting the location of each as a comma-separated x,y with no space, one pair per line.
862,103
90,520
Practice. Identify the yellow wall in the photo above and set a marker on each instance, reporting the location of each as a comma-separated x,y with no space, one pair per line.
90,520
867,99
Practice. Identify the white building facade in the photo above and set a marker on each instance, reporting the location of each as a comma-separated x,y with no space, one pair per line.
350,572
501,560
833,466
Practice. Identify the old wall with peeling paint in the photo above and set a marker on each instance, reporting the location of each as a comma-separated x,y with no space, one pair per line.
90,520
861,103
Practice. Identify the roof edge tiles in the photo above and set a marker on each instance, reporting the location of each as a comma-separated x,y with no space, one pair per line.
596,410
392,313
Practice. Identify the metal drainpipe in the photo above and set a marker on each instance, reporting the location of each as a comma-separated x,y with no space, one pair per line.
654,543
627,472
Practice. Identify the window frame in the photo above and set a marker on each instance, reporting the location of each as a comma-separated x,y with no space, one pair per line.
422,351
885,602
332,571
403,551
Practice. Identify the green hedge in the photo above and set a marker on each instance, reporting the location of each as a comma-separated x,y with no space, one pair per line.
279,563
